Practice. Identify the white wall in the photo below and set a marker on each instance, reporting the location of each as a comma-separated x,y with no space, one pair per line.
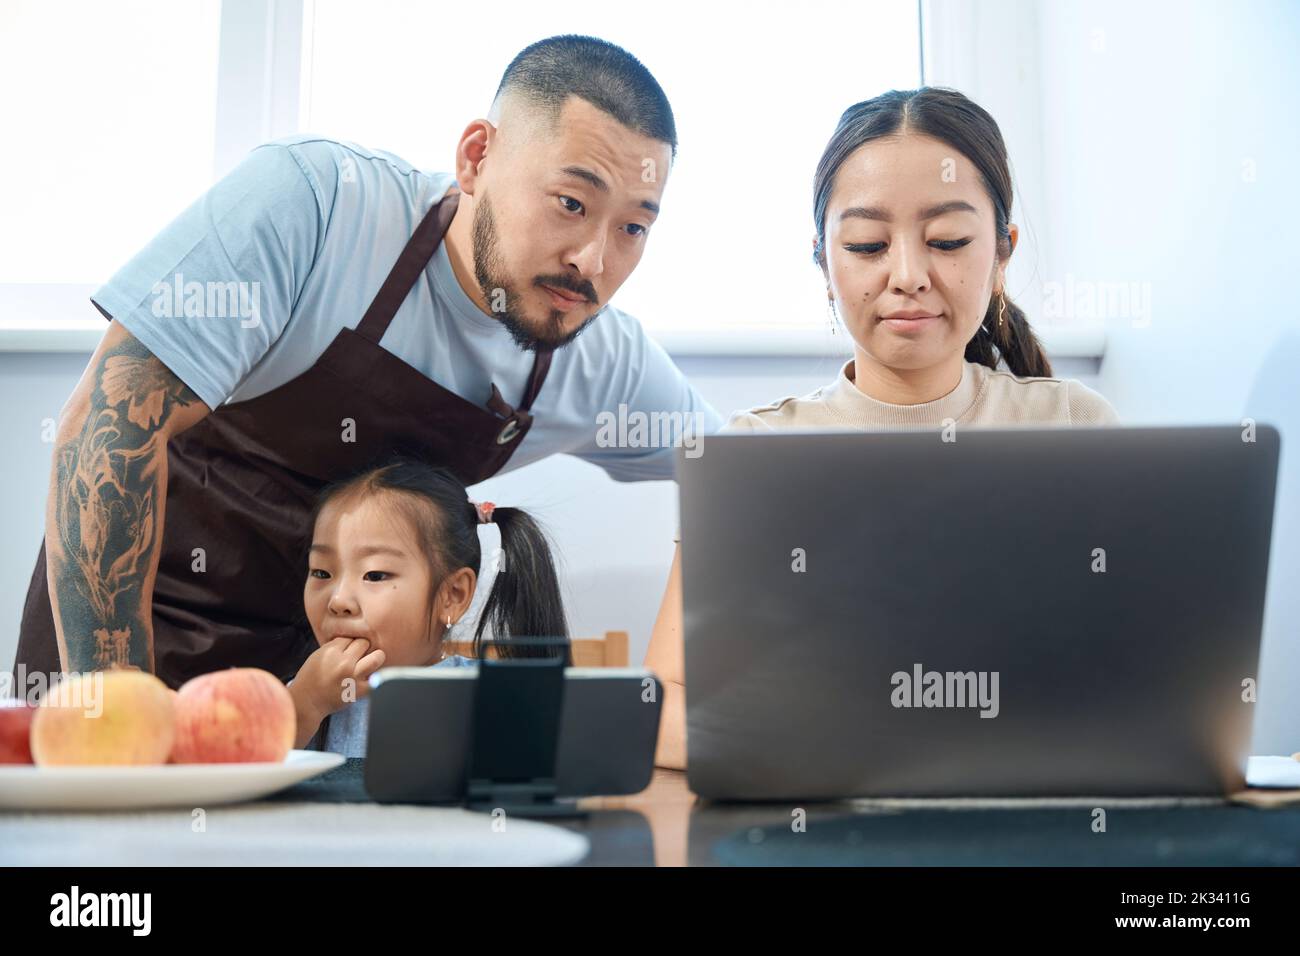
1152,143
1172,155
1158,143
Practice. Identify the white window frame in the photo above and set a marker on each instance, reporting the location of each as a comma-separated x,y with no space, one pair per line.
258,66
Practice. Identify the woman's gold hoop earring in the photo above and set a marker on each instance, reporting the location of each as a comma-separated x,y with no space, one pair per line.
444,635
1002,309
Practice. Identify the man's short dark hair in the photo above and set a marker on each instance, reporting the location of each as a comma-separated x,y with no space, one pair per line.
549,71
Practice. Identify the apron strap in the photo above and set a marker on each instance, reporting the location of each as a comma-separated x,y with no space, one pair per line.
401,278
501,408
415,257
541,365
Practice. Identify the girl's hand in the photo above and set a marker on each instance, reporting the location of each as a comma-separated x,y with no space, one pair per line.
334,675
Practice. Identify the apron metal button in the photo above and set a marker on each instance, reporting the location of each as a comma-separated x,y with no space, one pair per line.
509,432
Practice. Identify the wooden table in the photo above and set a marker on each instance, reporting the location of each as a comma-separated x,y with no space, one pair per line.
665,811
668,825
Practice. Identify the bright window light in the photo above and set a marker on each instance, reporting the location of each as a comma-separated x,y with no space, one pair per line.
756,89
109,113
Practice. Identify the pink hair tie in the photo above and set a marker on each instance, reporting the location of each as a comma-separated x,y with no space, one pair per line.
484,510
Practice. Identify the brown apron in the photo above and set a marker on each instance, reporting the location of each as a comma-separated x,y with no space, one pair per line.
242,482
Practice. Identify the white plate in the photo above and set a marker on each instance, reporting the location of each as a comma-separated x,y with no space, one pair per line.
167,785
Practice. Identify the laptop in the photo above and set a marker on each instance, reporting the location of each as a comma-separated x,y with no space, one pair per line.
1016,612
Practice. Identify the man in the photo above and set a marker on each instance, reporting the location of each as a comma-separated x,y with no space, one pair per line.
322,307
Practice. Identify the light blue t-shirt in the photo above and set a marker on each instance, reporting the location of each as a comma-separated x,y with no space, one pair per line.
247,287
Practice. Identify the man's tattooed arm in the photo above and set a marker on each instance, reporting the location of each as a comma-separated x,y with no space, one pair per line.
108,487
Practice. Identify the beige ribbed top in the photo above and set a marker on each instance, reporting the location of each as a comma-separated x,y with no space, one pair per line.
982,397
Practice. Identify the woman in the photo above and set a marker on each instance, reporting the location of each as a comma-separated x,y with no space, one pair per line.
912,205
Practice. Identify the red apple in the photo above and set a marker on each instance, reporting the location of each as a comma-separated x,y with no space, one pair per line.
16,730
104,717
240,715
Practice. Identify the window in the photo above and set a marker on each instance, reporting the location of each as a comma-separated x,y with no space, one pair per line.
132,110
108,113
756,88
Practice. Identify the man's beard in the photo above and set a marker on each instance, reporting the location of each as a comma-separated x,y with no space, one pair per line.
504,301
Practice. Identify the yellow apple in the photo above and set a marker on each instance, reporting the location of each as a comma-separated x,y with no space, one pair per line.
121,716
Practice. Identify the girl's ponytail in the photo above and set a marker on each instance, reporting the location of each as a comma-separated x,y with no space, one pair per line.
525,600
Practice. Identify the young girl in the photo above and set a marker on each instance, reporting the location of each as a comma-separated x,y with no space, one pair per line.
391,568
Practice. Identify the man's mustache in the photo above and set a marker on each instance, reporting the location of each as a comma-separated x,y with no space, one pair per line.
565,284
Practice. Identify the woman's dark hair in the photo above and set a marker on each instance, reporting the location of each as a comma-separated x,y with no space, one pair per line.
951,118
525,600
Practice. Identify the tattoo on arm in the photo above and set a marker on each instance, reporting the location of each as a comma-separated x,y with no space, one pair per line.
106,509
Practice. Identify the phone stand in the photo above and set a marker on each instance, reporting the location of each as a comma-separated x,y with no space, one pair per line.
515,733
